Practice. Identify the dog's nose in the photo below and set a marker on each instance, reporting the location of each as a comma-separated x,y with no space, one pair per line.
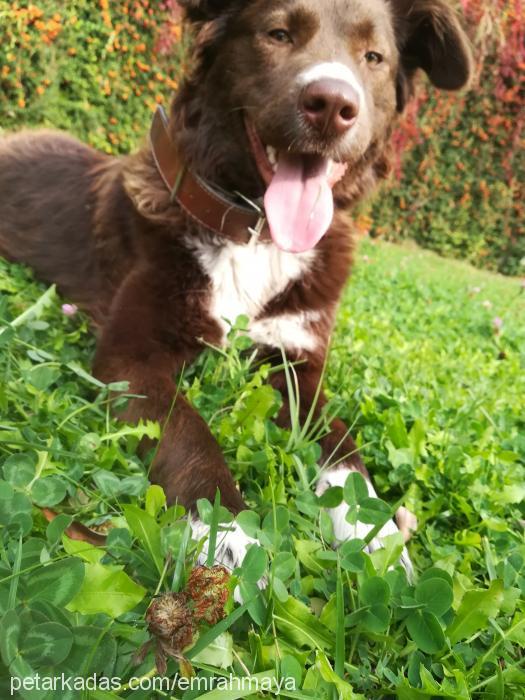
330,106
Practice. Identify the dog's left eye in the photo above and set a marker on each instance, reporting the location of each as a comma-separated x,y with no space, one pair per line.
374,57
281,36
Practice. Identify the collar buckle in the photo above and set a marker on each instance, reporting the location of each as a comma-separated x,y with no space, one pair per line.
257,230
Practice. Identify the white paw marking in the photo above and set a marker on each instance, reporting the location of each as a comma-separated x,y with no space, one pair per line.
231,545
343,530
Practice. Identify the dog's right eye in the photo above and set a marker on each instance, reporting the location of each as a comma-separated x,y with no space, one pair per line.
374,58
281,36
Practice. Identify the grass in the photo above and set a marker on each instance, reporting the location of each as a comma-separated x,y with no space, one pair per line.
427,365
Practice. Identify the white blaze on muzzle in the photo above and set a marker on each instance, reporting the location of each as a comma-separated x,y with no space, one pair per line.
332,70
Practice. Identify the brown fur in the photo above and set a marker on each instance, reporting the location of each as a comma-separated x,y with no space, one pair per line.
106,232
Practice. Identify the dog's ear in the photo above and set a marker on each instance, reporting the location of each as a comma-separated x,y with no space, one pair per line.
432,39
204,10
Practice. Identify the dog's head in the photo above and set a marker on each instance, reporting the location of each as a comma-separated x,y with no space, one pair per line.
316,85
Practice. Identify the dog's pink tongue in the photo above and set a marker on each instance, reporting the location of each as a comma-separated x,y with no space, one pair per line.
299,203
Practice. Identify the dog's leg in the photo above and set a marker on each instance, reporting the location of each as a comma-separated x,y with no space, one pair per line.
340,458
343,530
189,463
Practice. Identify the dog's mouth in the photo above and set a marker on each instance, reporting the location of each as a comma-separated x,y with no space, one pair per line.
298,202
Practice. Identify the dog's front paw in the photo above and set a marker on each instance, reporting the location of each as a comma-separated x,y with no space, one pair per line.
231,545
343,530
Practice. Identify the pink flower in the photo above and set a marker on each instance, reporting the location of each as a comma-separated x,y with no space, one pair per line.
497,324
69,309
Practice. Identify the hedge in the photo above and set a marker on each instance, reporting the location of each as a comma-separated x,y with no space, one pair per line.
460,188
99,68
93,67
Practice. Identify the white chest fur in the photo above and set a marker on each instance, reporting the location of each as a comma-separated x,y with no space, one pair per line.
245,278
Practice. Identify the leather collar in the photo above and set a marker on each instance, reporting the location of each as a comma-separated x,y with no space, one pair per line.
203,204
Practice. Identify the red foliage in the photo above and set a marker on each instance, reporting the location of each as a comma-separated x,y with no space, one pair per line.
171,31
458,159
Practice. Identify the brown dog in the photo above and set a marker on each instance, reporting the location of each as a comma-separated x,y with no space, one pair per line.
236,206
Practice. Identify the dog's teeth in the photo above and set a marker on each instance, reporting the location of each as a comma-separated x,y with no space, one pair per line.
272,156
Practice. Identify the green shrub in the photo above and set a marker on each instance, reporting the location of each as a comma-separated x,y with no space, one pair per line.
95,68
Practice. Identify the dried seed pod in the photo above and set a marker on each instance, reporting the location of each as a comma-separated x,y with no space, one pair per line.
170,619
208,589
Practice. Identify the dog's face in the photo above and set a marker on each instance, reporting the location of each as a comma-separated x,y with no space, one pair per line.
318,84
314,77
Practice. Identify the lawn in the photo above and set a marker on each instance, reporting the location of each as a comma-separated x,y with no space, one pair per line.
427,365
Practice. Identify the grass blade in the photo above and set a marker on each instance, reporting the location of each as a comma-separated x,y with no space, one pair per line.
208,637
214,526
13,588
340,651
35,310
181,558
